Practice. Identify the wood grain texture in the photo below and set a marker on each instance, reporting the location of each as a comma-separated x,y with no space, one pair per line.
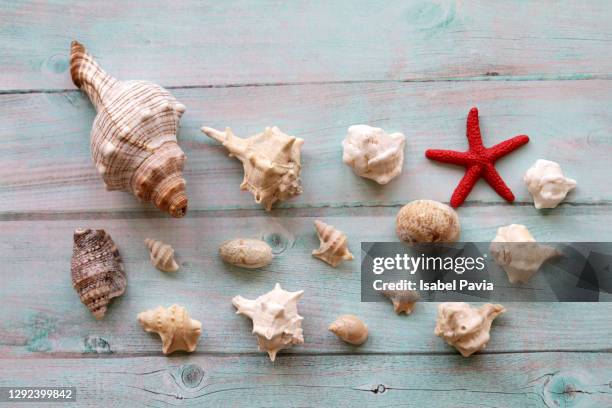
236,42
46,163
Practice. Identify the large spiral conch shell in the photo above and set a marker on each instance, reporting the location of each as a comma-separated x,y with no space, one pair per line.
547,184
175,328
162,255
333,247
423,221
464,327
133,137
351,329
276,321
271,161
97,270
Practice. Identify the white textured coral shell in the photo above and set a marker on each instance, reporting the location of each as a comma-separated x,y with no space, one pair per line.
374,154
518,253
333,247
246,253
547,184
427,221
175,328
271,161
162,255
276,321
464,327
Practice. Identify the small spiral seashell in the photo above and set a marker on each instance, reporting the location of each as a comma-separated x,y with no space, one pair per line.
162,255
422,221
246,253
403,301
350,329
547,184
334,245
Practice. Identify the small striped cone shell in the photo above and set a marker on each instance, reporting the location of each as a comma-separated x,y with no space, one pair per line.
133,137
162,255
97,270
334,245
175,328
271,162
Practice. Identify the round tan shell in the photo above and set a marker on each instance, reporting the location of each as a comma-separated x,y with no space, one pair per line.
246,253
422,221
175,328
133,137
97,270
350,329
333,247
162,255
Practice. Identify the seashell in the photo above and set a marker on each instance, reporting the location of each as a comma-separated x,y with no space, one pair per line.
334,245
96,269
162,255
133,137
175,328
427,221
403,300
271,162
276,321
246,253
374,154
518,253
547,184
350,329
464,327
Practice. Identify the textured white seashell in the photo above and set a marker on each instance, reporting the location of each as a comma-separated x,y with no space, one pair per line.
246,253
422,221
403,300
374,154
518,253
350,329
133,137
271,162
177,330
276,321
333,247
464,327
547,184
162,255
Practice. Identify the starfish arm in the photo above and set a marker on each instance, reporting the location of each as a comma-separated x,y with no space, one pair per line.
507,146
447,156
466,185
494,179
473,131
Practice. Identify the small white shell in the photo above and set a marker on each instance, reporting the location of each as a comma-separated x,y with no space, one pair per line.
333,247
162,255
374,154
246,253
547,184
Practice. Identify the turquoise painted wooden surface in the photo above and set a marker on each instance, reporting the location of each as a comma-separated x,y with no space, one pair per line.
313,68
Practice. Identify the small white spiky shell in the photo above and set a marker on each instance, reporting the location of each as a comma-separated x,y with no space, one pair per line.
162,255
333,247
422,221
403,301
246,253
133,137
547,184
518,253
276,321
374,154
464,327
271,162
351,329
175,328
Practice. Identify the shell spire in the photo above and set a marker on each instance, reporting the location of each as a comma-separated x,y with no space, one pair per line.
162,255
133,137
334,244
176,329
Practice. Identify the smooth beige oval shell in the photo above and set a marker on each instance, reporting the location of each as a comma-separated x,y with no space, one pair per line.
162,255
350,329
246,253
422,221
175,328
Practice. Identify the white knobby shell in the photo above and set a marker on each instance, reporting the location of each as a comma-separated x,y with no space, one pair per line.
464,327
422,221
246,253
373,153
350,328
162,255
176,329
333,247
547,184
518,253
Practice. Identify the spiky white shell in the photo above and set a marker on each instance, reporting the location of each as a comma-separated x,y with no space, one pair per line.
547,184
333,247
246,253
374,154
176,329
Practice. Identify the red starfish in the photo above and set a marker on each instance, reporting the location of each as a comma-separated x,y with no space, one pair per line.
478,161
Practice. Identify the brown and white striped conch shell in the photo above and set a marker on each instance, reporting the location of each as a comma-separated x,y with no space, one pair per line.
276,321
97,270
271,162
162,255
177,330
133,137
403,301
333,247
246,253
351,329
465,327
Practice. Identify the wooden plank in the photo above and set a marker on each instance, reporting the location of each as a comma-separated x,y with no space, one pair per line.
508,380
203,43
46,163
42,313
